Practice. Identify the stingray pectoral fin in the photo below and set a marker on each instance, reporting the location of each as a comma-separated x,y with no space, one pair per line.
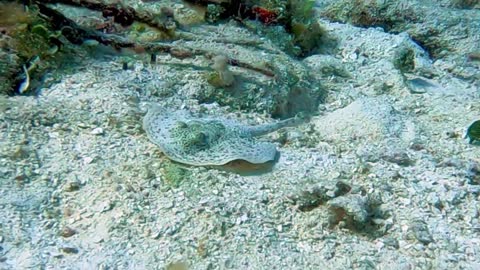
263,152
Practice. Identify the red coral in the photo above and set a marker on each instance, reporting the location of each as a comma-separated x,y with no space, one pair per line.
264,15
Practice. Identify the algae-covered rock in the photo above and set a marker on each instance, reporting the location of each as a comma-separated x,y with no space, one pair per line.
27,47
465,4
12,19
307,32
300,33
419,19
9,66
389,15
312,196
353,209
292,89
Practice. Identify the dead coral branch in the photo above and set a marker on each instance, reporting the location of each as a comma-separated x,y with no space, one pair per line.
121,14
77,34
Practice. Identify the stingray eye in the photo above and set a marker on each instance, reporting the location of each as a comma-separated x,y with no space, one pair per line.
201,138
219,126
180,124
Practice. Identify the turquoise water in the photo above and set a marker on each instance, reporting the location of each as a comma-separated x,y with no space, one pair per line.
293,135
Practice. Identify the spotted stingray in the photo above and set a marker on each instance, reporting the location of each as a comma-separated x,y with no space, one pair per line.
203,141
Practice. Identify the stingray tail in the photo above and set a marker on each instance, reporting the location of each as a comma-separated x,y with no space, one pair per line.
269,128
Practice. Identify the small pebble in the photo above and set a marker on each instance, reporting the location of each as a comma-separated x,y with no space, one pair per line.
87,160
69,250
391,242
57,255
153,58
72,186
452,134
351,208
399,158
156,235
67,232
417,146
433,199
419,85
473,173
421,232
97,131
450,162
20,178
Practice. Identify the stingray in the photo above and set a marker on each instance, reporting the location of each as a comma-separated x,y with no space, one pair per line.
205,141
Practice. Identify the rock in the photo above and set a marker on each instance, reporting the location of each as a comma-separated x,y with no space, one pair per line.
10,65
473,173
72,186
316,195
351,209
222,77
293,90
434,200
87,160
97,131
420,231
420,85
390,241
450,162
21,152
455,197
67,232
398,157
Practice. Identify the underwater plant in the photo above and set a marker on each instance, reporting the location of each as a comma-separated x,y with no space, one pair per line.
222,76
174,174
300,22
404,60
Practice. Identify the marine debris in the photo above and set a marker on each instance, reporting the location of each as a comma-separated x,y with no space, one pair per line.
208,141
